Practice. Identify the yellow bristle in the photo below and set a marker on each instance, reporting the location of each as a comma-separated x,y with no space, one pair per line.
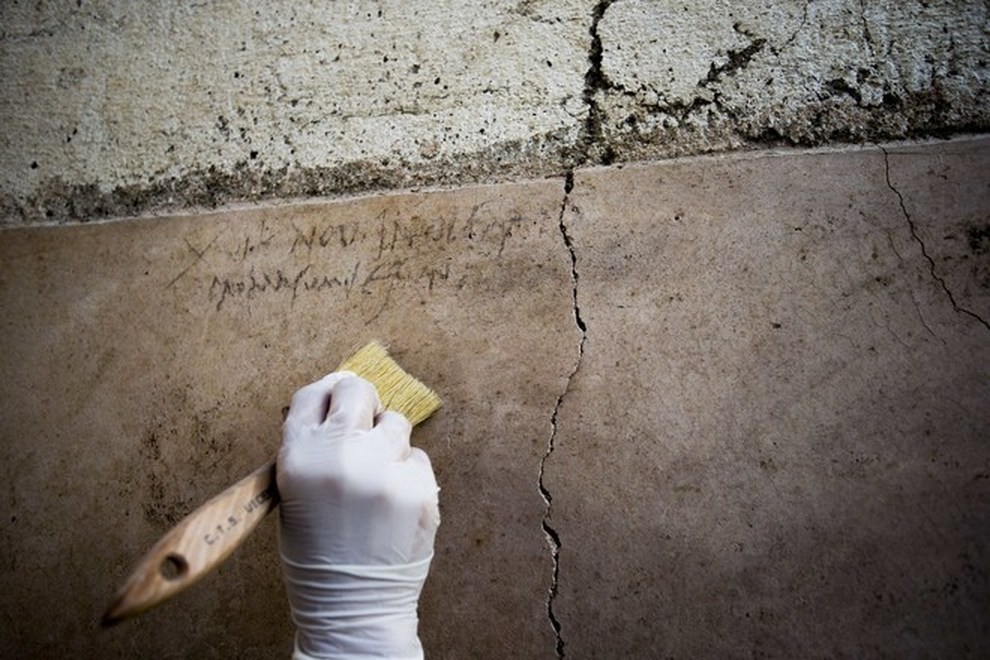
397,390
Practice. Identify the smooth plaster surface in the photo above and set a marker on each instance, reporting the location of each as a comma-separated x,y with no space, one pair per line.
115,108
146,365
718,407
777,443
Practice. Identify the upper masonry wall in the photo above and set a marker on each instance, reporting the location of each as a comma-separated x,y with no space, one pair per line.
112,108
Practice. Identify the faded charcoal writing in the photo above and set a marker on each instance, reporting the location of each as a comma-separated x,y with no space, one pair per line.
341,258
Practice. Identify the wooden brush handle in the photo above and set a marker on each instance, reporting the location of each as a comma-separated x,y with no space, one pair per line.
197,545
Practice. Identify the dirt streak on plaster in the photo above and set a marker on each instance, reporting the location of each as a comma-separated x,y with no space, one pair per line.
553,537
924,250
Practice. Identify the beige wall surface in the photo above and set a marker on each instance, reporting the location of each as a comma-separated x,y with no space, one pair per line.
731,407
113,108
702,407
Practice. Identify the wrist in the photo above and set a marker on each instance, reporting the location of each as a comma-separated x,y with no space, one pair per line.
355,611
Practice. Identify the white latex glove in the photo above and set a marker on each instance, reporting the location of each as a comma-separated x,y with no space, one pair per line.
358,517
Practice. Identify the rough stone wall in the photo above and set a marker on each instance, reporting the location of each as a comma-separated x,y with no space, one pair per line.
115,108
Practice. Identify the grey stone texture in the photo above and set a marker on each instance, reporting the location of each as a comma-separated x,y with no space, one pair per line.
679,78
113,108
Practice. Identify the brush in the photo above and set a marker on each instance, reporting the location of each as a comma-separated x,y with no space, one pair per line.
207,536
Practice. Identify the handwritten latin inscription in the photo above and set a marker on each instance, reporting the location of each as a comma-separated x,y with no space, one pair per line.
370,257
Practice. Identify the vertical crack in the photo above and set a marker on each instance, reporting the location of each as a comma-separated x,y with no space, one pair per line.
921,243
867,35
553,538
595,81
569,244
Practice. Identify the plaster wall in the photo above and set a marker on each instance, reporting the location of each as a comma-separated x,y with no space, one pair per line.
722,405
715,407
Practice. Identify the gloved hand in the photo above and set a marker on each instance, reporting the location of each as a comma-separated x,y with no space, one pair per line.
358,517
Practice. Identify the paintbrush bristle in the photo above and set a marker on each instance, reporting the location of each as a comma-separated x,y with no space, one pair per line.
397,390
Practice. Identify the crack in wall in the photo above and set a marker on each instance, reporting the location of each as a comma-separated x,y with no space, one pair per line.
879,107
595,81
552,536
593,145
867,34
776,50
924,250
736,61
